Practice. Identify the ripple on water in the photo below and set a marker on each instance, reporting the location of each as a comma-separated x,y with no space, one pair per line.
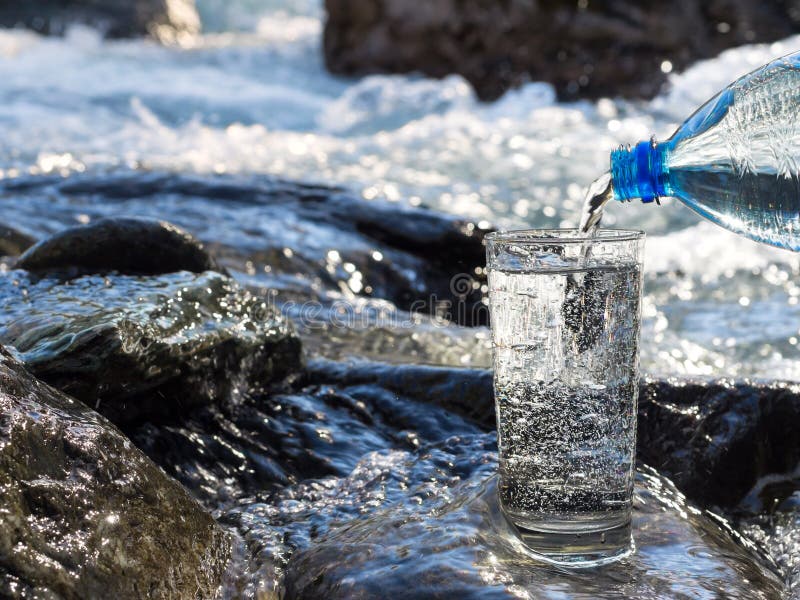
465,548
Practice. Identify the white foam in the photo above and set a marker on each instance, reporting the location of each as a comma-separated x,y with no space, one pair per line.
709,251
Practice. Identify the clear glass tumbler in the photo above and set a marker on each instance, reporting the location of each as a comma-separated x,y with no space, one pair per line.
565,312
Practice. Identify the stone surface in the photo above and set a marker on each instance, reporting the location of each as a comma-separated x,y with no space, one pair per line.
466,392
718,439
466,549
307,242
319,426
586,49
13,242
163,19
124,245
85,514
143,346
285,468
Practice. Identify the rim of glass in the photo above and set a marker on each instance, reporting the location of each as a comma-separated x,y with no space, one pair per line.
559,236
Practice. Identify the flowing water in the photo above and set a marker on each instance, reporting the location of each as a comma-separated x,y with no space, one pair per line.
599,193
251,96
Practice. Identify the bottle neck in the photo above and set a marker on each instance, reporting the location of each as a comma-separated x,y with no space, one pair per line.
640,172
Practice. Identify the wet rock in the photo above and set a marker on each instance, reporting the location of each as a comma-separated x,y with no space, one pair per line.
125,245
466,392
465,549
284,469
13,242
585,49
163,19
356,441
319,427
85,514
140,346
307,242
718,439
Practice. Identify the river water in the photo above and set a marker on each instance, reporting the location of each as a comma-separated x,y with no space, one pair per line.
251,95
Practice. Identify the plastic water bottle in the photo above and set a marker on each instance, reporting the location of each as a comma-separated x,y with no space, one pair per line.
736,161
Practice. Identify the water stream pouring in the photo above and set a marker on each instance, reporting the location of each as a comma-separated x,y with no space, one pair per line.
736,161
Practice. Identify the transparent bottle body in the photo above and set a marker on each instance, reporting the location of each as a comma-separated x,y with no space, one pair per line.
736,161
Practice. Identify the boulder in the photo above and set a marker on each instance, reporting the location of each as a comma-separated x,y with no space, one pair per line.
306,242
349,447
318,427
719,439
586,49
13,242
285,468
163,19
466,392
154,347
87,515
125,245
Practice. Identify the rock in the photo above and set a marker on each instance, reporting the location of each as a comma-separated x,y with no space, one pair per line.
85,514
143,346
733,446
466,549
285,468
307,242
717,439
125,245
466,392
13,242
162,19
317,428
585,49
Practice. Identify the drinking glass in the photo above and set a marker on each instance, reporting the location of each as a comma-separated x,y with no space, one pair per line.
565,312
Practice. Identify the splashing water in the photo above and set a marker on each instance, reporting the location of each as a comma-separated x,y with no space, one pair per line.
79,103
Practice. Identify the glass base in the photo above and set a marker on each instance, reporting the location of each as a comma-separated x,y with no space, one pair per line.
574,546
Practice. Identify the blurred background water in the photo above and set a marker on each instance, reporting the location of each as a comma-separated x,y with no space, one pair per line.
251,95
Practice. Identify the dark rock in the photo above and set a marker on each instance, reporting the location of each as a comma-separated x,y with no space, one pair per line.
284,469
125,245
586,49
163,19
155,347
85,514
13,242
716,440
466,392
466,549
308,242
294,471
320,427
